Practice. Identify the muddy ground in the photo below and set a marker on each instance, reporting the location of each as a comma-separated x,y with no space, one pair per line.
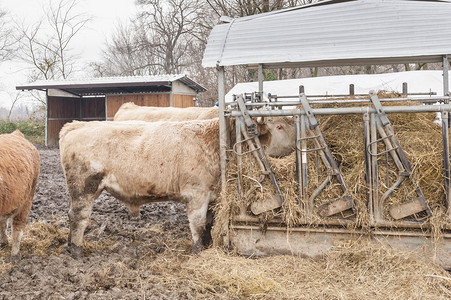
150,258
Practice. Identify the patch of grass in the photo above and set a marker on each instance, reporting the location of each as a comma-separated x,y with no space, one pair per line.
34,130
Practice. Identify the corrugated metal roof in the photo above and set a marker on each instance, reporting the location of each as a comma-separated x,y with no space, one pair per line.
331,33
114,85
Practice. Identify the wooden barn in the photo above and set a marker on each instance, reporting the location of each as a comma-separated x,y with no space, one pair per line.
100,98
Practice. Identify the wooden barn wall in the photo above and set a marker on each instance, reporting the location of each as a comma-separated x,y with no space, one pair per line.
93,108
183,100
61,110
115,101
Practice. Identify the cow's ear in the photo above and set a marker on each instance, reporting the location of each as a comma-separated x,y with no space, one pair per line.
260,120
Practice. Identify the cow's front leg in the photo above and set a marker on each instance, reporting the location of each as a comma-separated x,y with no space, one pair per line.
197,215
79,214
133,211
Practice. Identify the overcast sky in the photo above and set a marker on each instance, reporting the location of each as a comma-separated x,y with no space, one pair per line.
105,15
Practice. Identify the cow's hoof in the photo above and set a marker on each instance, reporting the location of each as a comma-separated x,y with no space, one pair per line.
75,251
14,258
134,218
197,248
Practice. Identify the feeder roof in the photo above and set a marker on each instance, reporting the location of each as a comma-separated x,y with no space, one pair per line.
333,33
114,85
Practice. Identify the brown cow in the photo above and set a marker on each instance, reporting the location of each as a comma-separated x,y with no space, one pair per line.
141,162
19,171
131,111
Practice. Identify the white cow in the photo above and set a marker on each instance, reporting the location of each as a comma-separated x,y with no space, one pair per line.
131,111
140,162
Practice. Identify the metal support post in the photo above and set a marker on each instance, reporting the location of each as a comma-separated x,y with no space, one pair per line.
260,80
223,145
297,128
368,174
404,89
445,77
351,90
239,162
46,131
222,128
377,209
304,170
446,162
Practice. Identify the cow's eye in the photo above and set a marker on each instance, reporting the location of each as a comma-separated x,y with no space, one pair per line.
280,127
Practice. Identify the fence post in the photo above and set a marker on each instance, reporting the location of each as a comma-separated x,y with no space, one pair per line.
301,89
404,89
446,163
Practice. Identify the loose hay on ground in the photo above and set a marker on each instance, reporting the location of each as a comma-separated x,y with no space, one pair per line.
356,270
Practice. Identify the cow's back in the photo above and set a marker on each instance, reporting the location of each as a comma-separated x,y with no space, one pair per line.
161,156
19,171
130,111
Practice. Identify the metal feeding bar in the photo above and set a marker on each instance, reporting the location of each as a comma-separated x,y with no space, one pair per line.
275,97
313,130
381,125
440,99
345,110
251,138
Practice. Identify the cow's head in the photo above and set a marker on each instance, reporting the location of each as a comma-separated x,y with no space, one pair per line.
277,135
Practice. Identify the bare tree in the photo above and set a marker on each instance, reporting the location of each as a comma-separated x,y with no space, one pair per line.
8,37
47,44
170,37
122,54
242,8
16,97
169,29
158,41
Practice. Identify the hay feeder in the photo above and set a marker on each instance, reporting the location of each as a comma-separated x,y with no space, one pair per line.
319,203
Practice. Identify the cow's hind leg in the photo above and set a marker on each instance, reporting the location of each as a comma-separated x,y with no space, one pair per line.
17,226
207,238
197,215
79,213
3,236
80,209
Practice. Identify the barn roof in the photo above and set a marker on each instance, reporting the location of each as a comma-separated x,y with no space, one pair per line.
115,85
335,32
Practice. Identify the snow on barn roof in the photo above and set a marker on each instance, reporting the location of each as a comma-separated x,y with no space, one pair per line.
417,82
336,32
113,85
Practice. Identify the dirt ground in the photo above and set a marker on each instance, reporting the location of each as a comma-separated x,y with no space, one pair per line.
150,258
